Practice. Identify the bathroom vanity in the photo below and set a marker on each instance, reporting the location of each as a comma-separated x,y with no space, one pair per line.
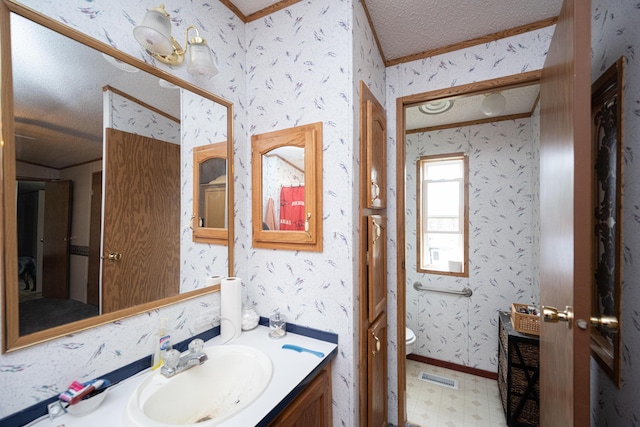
299,390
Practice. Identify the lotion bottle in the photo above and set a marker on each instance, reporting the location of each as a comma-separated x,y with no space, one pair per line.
162,344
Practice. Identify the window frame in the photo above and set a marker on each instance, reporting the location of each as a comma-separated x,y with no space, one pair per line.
421,193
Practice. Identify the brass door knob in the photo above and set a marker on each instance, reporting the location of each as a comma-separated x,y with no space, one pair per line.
114,256
608,323
552,315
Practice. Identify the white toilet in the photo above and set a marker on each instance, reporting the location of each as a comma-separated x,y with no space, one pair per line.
410,341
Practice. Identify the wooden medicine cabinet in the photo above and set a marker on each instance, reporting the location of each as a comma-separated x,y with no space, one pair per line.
287,188
210,194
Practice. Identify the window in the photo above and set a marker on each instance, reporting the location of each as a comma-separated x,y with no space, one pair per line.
442,214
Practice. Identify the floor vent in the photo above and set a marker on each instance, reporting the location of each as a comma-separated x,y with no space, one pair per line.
439,380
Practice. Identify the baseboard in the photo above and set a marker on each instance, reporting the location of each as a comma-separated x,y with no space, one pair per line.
454,366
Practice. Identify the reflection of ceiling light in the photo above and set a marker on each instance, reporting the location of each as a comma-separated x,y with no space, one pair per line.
436,107
494,104
154,34
120,64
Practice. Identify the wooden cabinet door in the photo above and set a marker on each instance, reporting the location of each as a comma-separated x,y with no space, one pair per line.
377,373
372,317
376,159
376,265
312,408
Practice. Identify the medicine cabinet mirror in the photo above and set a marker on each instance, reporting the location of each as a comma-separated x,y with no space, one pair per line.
287,188
210,201
71,191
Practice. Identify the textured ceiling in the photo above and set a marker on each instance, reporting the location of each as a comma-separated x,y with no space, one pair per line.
407,27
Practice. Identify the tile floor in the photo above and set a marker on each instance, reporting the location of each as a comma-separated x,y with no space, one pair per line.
476,402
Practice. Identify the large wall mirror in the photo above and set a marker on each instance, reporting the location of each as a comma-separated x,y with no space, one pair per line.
97,157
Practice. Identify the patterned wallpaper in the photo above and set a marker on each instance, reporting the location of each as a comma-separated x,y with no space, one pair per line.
503,57
501,235
300,73
615,33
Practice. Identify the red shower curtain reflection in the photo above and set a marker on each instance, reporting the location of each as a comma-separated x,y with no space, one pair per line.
292,208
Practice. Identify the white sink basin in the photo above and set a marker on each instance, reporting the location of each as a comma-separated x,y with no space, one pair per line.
205,395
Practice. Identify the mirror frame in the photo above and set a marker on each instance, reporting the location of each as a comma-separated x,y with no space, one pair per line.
308,137
606,289
11,339
200,234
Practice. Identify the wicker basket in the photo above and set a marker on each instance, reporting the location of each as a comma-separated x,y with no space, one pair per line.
524,323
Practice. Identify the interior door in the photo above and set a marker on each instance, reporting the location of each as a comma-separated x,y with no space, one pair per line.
566,219
56,238
141,247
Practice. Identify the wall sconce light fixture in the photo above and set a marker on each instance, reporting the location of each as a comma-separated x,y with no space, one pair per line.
154,34
494,104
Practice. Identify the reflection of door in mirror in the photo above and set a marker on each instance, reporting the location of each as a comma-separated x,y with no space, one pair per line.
57,235
210,193
141,221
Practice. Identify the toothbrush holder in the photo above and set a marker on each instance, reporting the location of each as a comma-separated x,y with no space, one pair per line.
277,326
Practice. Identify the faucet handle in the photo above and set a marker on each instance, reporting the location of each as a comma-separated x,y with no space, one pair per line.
196,346
171,358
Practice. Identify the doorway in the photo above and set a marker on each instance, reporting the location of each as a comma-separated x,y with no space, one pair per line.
465,312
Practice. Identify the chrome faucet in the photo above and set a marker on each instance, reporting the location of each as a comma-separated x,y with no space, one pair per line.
175,362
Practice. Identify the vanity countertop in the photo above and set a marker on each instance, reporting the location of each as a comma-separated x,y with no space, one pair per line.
290,369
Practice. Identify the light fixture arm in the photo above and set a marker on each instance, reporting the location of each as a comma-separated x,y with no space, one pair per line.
177,57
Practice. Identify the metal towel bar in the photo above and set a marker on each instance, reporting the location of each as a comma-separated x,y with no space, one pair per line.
467,292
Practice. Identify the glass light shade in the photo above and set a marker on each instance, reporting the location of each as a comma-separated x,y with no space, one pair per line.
154,34
200,60
494,104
